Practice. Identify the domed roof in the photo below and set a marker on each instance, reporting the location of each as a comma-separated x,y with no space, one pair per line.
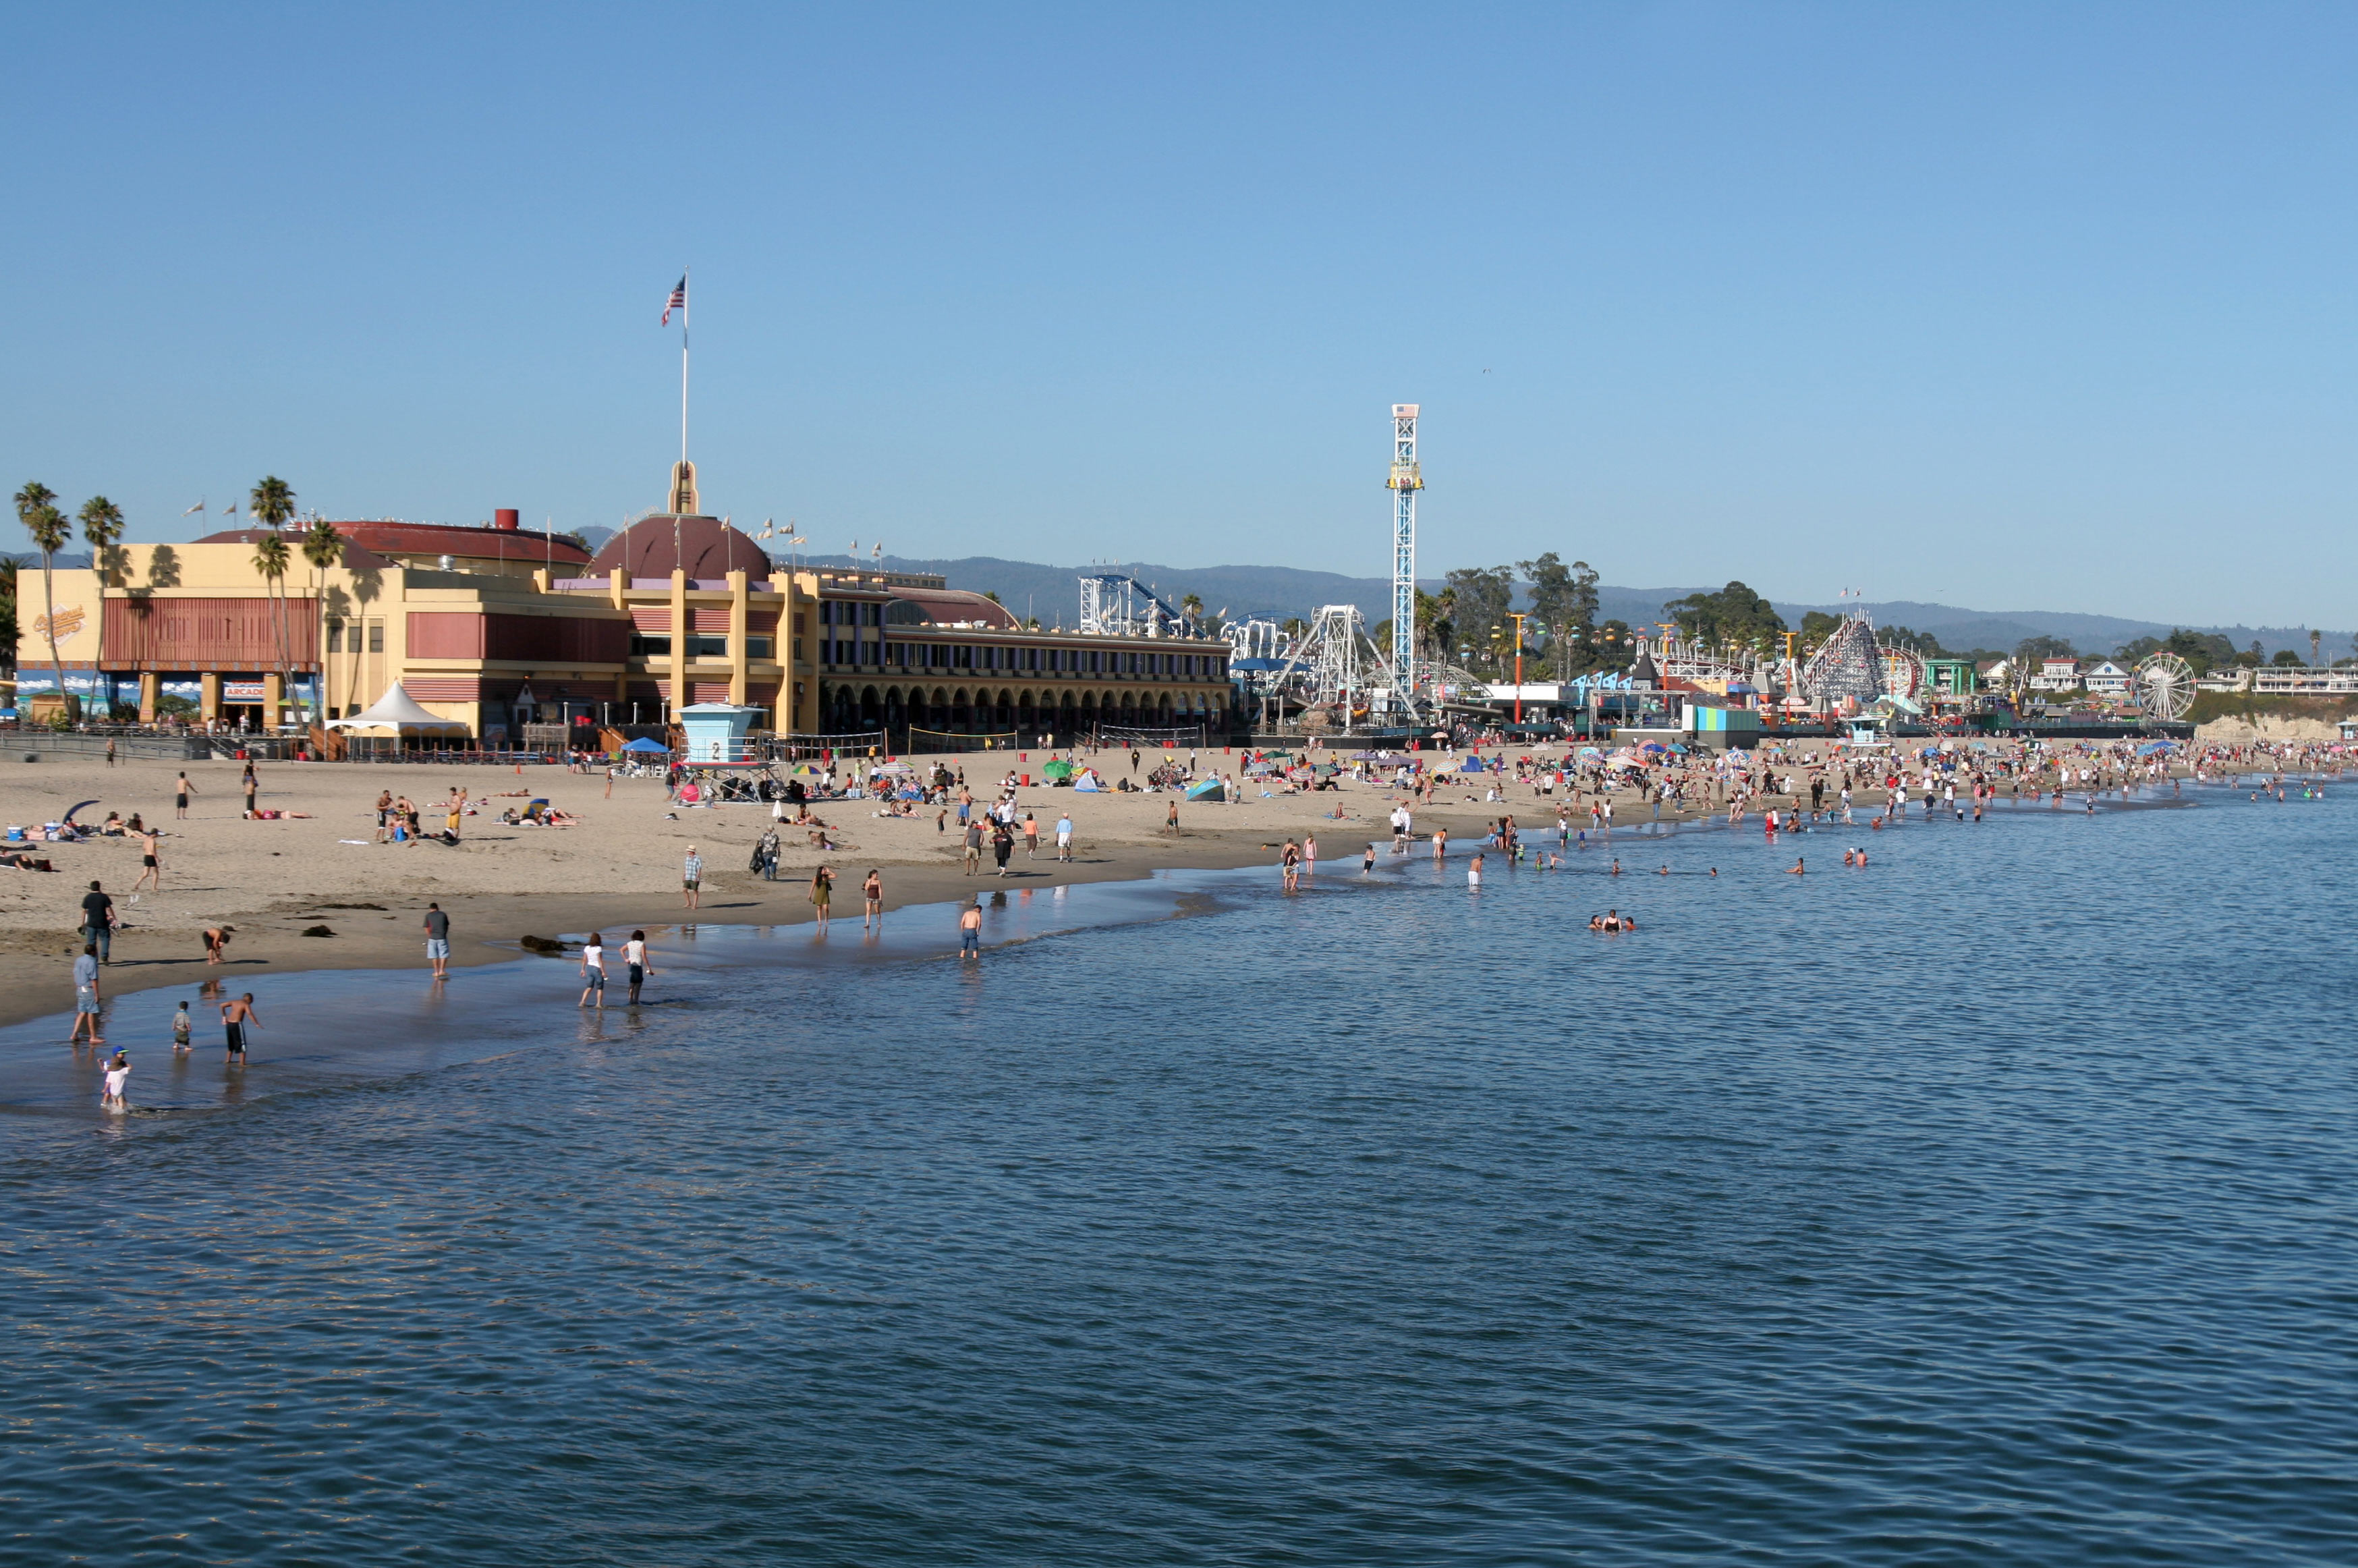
701,546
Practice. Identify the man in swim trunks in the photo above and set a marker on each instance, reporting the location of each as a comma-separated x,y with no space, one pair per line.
970,930
235,1015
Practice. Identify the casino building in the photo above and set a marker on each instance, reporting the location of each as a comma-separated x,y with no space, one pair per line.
497,626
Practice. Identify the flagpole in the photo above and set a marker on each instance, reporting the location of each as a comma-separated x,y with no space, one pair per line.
683,364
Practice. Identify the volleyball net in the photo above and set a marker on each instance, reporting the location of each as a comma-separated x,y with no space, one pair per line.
1151,739
923,740
852,743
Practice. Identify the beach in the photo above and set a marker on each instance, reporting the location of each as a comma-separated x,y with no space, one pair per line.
275,881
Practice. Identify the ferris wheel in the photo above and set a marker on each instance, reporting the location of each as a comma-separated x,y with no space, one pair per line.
1903,671
2166,682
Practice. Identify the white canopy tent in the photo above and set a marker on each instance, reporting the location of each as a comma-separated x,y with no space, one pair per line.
395,710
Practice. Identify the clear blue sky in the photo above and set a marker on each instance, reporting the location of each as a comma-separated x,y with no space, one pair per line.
2029,306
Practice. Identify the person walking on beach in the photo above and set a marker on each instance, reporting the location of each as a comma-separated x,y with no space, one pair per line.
235,1016
253,786
1064,836
437,941
973,846
180,793
98,922
691,878
1030,836
871,895
970,929
635,965
1003,843
86,1001
822,895
151,860
593,971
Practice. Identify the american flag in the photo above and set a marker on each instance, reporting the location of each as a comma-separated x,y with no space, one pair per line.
678,300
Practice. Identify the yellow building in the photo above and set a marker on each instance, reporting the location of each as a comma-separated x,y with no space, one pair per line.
497,626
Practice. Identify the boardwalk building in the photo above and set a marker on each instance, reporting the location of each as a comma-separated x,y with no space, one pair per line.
496,626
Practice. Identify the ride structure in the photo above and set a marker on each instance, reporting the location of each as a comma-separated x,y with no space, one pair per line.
2165,683
1407,479
1846,669
1115,605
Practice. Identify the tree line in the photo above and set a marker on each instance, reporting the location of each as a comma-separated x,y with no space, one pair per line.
271,504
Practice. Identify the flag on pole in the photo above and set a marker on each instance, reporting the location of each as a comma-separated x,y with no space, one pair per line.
192,511
678,301
230,511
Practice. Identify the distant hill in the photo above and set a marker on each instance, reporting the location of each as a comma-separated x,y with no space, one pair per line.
1054,593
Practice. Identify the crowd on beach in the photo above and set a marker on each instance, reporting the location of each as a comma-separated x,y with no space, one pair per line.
1575,796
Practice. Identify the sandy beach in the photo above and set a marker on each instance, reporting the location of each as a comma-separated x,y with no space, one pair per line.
274,880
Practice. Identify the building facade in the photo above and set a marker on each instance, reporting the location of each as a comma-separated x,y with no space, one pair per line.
497,627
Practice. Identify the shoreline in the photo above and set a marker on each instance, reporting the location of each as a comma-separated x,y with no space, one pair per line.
503,883
489,928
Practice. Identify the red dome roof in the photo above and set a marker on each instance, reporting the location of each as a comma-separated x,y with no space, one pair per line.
702,547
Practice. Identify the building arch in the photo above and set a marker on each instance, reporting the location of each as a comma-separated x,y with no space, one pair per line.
871,710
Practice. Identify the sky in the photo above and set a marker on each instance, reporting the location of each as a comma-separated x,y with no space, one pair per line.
2012,307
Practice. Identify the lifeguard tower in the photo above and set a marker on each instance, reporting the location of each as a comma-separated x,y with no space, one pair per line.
717,735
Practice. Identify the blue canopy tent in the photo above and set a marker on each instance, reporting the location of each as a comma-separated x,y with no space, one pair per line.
646,746
1473,765
1208,789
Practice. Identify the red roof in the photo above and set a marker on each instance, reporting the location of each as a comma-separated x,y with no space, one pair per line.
529,545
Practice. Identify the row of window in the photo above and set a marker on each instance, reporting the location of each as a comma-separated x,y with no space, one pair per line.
849,612
701,645
339,633
1051,661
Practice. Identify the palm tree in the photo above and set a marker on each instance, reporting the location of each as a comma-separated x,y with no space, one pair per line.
271,558
102,524
272,505
323,547
36,510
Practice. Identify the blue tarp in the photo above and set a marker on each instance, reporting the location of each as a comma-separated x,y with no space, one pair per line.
2150,747
1473,765
1208,789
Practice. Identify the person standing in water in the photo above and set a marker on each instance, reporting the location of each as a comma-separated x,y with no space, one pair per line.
593,971
86,999
635,954
118,1074
1474,872
822,895
970,930
181,1030
437,941
871,894
235,1016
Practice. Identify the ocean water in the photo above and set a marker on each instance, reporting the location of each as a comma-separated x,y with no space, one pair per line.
1991,1204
